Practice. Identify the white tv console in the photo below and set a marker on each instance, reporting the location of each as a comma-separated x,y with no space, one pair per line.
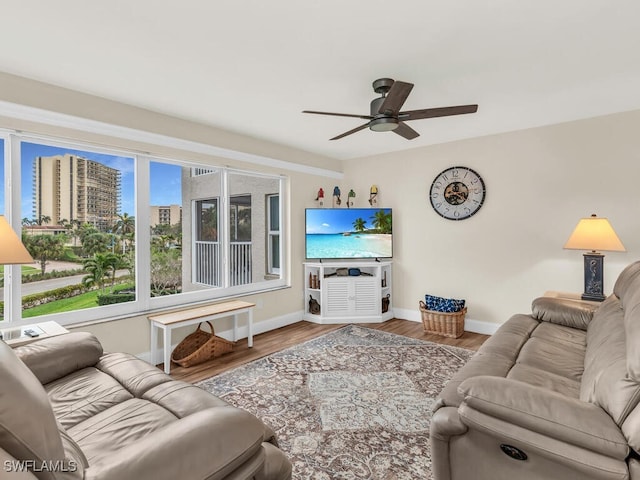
348,299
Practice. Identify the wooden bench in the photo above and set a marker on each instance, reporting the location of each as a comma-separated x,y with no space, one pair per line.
182,318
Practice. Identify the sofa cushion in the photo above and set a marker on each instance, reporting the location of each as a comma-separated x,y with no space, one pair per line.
605,381
118,427
28,428
627,289
510,337
212,444
182,399
542,378
132,373
54,357
558,357
625,281
83,394
570,313
632,331
551,332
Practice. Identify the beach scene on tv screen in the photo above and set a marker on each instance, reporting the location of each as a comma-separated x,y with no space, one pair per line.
349,233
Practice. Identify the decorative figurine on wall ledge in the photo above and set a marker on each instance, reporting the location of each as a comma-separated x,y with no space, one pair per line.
373,195
320,197
336,196
350,198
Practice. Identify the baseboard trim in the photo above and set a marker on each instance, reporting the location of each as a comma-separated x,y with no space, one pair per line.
470,325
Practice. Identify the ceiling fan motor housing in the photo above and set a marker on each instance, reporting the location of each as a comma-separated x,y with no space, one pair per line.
381,122
382,85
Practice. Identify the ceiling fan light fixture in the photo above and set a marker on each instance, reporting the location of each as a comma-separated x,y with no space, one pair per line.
383,124
386,113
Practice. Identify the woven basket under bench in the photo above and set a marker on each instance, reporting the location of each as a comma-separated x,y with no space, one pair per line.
200,346
443,323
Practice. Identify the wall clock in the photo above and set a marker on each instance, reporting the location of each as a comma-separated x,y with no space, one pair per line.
457,193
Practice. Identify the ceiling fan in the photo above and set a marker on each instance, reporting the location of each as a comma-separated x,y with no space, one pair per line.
385,110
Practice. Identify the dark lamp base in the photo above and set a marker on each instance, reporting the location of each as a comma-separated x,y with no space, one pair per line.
593,277
593,298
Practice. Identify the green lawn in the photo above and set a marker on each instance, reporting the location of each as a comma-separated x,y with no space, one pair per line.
25,269
79,302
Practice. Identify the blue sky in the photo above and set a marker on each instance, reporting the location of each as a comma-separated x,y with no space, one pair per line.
338,220
165,179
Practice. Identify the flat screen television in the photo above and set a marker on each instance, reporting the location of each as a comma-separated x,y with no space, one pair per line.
348,233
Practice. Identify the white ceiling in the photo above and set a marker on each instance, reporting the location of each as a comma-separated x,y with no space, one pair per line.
252,66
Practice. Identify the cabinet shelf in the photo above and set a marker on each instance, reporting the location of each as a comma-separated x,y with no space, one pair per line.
348,299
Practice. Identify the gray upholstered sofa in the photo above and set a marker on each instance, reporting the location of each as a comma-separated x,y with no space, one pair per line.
551,395
69,411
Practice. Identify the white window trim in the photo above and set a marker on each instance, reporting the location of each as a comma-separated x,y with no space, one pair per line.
272,233
143,303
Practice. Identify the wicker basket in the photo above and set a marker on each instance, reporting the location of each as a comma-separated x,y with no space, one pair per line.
200,346
443,323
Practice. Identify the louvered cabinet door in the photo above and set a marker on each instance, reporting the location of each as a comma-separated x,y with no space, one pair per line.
366,296
338,297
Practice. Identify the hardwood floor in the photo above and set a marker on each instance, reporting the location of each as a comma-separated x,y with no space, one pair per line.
281,338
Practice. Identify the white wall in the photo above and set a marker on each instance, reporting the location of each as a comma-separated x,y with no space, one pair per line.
539,182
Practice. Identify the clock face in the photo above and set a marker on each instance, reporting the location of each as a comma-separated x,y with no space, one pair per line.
457,193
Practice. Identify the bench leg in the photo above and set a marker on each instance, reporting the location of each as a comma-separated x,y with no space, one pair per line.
235,327
167,350
250,327
154,345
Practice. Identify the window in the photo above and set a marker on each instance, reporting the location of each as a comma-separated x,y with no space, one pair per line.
240,247
273,234
140,232
249,215
206,245
79,225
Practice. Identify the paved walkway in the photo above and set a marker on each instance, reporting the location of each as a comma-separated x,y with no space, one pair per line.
59,266
44,285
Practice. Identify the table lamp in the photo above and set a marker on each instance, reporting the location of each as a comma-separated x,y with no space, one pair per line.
12,251
593,234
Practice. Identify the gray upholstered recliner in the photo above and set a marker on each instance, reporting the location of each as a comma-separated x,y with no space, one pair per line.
551,395
68,411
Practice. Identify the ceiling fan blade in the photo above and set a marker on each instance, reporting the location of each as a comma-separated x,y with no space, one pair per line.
395,98
406,131
365,117
436,112
357,129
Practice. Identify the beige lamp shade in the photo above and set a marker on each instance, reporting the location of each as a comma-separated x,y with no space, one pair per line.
12,250
594,233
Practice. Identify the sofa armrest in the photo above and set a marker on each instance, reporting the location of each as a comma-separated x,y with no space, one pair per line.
54,357
562,311
446,423
211,443
545,412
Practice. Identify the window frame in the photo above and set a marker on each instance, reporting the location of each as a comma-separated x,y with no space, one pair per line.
144,302
271,270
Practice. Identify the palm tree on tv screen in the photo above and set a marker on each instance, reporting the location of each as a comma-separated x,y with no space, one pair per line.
359,224
382,221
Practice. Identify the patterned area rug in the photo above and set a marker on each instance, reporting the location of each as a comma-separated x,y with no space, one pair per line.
353,404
